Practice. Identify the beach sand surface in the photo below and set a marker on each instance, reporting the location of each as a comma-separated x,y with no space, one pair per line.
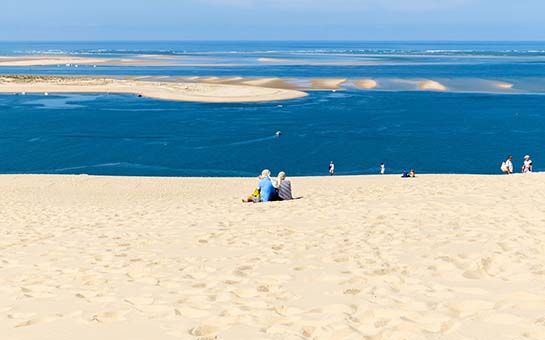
365,83
375,257
188,91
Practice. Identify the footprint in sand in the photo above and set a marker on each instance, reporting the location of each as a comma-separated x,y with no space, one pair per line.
246,293
36,321
203,330
140,300
111,316
188,312
467,308
287,311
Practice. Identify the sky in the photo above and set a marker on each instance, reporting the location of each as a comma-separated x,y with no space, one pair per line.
49,20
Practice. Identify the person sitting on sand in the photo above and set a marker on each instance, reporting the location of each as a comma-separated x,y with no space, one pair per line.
284,187
404,174
527,165
265,190
412,173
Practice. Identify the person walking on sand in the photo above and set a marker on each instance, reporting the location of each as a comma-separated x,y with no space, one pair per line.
331,168
527,165
507,166
382,169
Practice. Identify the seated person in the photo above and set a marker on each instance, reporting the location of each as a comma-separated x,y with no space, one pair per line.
266,188
411,173
265,191
404,174
284,187
253,198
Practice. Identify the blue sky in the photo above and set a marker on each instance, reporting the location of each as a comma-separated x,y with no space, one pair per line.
272,20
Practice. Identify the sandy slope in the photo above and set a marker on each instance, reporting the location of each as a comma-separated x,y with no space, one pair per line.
198,92
435,257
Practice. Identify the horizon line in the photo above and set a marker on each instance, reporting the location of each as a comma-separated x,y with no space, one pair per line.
268,40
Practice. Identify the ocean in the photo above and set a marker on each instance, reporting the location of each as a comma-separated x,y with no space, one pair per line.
470,129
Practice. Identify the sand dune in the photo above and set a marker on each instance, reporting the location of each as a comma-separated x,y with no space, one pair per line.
258,81
431,85
309,84
327,83
276,60
435,257
301,84
365,83
504,85
198,92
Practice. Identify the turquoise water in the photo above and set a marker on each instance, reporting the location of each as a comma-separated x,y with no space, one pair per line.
451,132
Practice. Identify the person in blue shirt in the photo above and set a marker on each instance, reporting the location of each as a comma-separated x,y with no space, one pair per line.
265,190
265,186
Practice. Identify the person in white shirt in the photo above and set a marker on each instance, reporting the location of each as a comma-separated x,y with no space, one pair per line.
331,168
382,168
527,165
509,165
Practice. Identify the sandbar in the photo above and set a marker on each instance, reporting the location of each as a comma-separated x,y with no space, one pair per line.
505,86
196,92
365,83
431,85
72,61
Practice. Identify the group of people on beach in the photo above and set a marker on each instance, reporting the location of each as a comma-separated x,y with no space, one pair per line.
507,166
279,188
271,189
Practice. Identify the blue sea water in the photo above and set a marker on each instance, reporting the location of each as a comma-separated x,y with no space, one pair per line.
432,132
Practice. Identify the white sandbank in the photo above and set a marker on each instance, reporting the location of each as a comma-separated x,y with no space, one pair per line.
197,92
431,85
365,83
504,86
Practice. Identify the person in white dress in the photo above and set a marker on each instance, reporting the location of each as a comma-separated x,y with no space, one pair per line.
527,165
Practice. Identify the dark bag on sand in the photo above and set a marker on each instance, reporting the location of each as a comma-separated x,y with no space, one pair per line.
275,196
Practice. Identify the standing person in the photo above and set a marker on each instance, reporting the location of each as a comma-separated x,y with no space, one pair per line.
382,169
331,168
527,165
507,166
